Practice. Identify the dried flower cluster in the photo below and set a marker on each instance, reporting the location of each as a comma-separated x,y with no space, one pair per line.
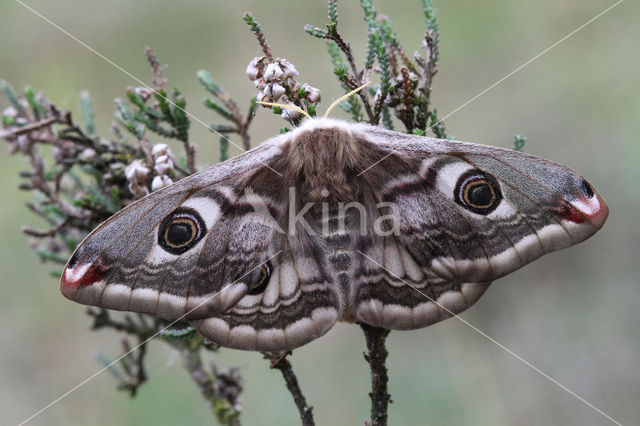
138,172
276,83
275,78
163,166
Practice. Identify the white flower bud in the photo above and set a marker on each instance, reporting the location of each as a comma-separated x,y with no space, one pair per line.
290,114
10,112
160,182
88,154
136,174
163,157
274,91
412,77
136,171
287,67
313,94
161,149
163,165
253,69
273,72
261,97
260,83
144,92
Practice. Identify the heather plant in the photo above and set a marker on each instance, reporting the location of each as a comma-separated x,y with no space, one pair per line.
79,178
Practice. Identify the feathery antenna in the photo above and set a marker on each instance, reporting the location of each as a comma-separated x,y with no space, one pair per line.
342,98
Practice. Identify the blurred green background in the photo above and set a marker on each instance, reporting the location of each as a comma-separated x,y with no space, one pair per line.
573,314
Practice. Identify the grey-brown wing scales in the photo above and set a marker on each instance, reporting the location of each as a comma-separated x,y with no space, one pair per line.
215,249
199,249
465,214
299,304
143,258
392,290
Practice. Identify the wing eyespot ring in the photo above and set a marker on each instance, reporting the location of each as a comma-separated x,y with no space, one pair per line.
260,285
181,230
478,192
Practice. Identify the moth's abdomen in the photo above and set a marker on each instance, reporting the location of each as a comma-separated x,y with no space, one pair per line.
338,229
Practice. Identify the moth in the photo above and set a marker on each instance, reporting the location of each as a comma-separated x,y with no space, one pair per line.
332,221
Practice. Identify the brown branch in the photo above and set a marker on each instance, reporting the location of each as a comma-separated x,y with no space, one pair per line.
190,151
407,99
145,145
376,357
256,28
39,182
242,125
42,233
181,169
222,408
102,319
29,127
280,362
36,209
159,81
141,375
246,140
136,378
243,131
333,34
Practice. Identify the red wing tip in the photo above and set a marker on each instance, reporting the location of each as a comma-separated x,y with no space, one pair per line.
586,209
80,275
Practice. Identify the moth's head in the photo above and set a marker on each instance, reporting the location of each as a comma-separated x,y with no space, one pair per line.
322,156
321,123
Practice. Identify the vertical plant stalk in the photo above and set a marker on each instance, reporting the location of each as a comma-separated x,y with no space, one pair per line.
306,411
225,413
376,357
